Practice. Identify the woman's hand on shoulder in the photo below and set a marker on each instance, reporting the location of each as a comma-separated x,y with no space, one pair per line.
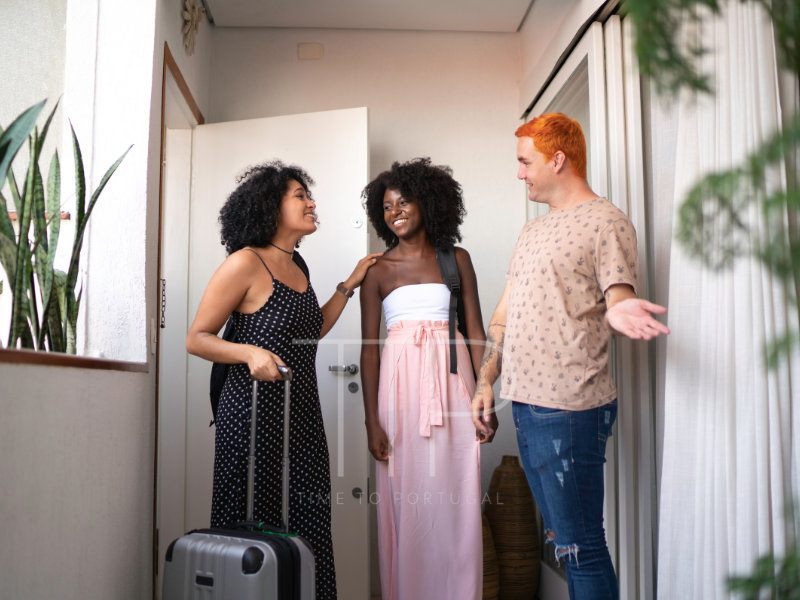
360,271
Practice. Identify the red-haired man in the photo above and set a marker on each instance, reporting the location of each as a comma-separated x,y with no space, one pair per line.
570,284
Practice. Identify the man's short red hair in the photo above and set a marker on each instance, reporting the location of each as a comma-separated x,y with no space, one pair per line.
552,132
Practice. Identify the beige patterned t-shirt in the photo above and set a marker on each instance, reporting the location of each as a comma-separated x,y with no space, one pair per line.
557,342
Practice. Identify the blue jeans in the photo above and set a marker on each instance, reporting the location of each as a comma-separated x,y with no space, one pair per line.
563,453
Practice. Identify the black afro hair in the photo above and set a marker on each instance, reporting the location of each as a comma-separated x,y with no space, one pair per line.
436,192
249,216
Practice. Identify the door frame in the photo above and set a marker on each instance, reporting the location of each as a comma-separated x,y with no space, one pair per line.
172,67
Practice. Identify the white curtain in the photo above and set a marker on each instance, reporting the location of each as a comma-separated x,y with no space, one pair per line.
727,457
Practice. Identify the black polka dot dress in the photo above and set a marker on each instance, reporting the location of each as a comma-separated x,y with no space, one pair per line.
287,318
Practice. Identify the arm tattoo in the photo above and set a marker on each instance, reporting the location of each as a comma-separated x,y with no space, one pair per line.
492,362
498,339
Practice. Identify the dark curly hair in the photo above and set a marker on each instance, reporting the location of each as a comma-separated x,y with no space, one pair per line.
249,216
436,192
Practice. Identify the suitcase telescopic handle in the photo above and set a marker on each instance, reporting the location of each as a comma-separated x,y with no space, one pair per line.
286,374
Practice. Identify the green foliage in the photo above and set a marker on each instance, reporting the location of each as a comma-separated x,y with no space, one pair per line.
780,578
28,259
785,16
670,61
12,139
773,578
718,218
658,25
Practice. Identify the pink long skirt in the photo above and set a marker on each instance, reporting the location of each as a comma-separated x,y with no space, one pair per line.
428,492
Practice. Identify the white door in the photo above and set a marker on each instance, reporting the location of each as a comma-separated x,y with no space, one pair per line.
333,148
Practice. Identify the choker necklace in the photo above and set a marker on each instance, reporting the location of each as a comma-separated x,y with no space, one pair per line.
279,248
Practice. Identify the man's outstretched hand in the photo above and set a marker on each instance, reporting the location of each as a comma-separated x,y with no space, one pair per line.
631,317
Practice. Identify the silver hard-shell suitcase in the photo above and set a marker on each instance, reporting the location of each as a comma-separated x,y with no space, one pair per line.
248,560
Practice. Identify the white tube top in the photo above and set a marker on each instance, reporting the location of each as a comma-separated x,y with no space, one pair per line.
419,302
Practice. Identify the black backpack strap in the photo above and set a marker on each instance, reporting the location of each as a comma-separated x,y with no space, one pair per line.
446,257
219,371
298,260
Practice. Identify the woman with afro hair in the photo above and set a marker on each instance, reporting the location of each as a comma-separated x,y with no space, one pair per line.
418,418
273,304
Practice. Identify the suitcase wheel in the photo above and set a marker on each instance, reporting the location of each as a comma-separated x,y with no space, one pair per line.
252,559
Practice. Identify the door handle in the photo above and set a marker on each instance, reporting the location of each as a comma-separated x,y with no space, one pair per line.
351,369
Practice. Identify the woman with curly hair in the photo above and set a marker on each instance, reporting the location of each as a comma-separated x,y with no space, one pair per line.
418,419
272,304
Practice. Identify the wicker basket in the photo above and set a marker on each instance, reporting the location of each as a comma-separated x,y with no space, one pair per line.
512,518
491,570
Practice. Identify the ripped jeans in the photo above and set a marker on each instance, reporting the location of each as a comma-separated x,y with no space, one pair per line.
563,453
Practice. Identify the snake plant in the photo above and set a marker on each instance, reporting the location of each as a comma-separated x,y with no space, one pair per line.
45,304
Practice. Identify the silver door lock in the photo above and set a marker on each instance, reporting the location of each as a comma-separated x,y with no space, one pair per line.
352,369
357,492
352,386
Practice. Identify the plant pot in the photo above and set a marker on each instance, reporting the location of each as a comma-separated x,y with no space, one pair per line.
491,570
512,518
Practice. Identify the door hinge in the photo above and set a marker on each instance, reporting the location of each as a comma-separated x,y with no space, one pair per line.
163,303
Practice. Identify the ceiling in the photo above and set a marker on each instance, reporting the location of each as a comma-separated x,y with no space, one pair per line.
422,15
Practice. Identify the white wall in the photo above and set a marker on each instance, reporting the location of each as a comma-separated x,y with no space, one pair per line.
114,307
450,96
113,105
33,69
546,33
33,63
196,68
77,446
76,462
538,30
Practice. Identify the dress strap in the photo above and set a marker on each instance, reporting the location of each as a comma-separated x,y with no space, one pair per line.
262,262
